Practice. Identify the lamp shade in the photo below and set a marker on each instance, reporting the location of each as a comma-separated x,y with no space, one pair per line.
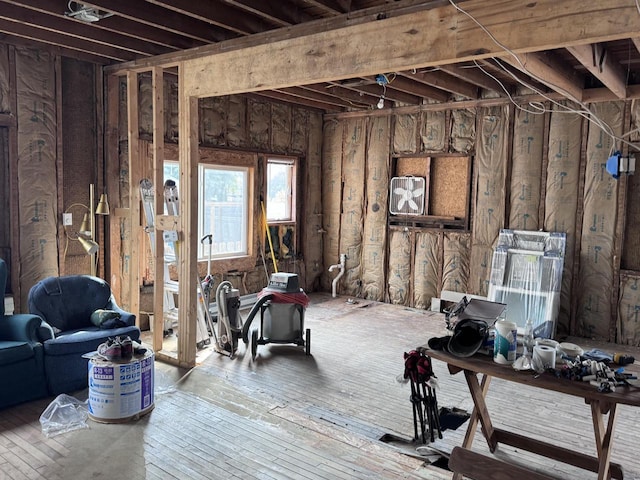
103,205
85,226
89,246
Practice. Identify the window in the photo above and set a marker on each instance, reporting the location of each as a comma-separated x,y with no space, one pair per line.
223,209
280,190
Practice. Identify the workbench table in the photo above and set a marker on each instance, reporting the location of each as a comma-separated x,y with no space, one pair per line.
480,369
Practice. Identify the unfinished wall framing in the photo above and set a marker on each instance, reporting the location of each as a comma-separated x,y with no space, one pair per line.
529,172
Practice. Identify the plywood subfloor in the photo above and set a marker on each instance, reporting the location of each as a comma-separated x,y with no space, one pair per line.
291,416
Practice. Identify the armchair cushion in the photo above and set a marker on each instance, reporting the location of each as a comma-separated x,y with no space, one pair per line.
14,352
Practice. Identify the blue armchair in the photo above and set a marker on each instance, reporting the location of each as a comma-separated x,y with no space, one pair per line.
66,305
21,355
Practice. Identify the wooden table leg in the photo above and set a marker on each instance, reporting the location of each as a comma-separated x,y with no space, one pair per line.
482,388
604,438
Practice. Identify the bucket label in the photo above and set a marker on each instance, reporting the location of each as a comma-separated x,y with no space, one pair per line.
120,391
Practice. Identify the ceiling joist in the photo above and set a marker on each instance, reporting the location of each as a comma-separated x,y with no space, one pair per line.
599,63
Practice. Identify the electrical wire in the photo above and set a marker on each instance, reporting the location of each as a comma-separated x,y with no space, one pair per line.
585,112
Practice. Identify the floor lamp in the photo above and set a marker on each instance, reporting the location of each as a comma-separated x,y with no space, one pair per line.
87,233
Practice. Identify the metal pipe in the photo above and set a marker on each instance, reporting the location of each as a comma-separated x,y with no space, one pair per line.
341,266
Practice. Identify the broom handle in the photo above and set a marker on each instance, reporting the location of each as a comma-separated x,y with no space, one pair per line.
266,229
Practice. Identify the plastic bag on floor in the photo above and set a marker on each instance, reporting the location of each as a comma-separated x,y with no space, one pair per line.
63,415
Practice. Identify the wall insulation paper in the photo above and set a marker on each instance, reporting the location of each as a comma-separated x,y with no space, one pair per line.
331,195
631,248
351,225
123,118
237,121
635,121
433,131
312,239
595,284
561,198
299,129
480,269
490,164
171,125
259,123
526,165
5,101
405,133
455,262
375,221
426,268
280,127
37,173
399,267
213,120
145,104
629,311
463,130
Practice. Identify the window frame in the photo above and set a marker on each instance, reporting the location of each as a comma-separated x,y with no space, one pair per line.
293,183
203,250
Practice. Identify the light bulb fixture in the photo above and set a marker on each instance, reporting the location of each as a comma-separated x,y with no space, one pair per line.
382,81
89,246
103,205
85,226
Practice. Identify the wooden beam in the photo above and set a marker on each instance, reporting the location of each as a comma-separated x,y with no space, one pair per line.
331,7
60,40
376,90
545,68
75,29
599,63
355,99
216,13
413,87
398,43
113,272
277,13
188,207
473,75
134,196
286,98
159,17
444,81
301,92
117,25
157,84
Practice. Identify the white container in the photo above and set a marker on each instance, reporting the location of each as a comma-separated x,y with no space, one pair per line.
119,392
505,342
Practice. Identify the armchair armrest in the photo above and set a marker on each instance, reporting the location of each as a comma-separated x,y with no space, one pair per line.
127,317
20,327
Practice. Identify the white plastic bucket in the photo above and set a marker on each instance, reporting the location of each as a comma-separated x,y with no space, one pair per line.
120,392
505,342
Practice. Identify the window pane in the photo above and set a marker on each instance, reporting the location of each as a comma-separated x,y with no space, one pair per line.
171,172
279,198
224,212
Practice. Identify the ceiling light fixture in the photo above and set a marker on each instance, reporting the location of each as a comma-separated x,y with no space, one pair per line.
382,80
85,13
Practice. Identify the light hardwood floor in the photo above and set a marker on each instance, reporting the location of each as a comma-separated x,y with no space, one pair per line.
291,416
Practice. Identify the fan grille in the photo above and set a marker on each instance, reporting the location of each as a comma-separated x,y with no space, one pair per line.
406,195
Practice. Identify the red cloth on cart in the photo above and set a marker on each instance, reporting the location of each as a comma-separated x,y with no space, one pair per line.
299,298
